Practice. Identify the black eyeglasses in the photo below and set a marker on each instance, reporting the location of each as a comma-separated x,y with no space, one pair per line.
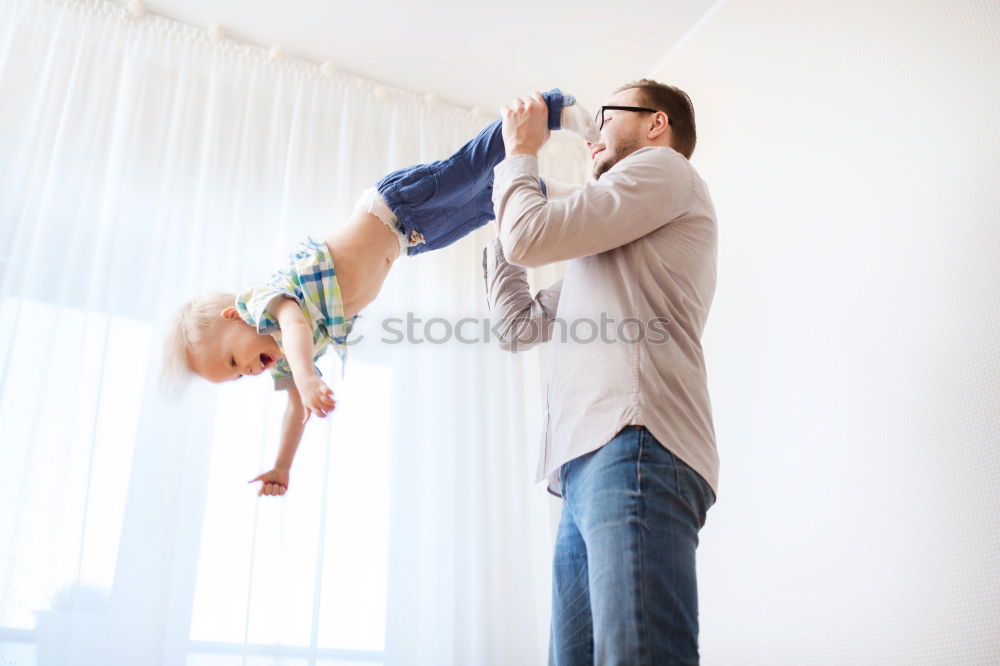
599,116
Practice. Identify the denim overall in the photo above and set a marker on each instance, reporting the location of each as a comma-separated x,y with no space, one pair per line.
445,200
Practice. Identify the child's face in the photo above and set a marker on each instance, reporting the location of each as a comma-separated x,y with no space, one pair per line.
233,349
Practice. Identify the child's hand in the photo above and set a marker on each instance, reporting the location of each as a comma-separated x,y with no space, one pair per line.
275,482
316,396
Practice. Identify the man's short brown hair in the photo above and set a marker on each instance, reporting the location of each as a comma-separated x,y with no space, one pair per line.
676,104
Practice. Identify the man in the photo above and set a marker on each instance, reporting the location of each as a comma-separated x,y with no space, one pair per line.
628,441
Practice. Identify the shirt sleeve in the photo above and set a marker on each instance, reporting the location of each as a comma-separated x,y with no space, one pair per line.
556,190
252,304
282,375
522,321
646,190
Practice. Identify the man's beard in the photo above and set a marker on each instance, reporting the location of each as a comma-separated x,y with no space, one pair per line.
620,153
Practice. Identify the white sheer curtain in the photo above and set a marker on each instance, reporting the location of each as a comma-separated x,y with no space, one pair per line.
142,163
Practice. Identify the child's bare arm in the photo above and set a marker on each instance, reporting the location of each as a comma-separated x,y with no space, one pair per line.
297,341
275,482
296,336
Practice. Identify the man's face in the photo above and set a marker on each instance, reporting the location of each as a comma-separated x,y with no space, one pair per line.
233,349
624,132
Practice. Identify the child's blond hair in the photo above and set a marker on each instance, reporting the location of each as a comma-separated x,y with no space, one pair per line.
190,326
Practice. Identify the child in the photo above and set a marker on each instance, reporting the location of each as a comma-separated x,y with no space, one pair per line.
285,324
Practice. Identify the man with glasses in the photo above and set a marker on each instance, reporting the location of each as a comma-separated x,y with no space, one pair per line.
628,441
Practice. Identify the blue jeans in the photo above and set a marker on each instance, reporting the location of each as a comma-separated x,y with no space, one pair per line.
623,575
448,199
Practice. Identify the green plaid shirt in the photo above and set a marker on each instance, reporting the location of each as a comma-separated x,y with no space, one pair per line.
311,280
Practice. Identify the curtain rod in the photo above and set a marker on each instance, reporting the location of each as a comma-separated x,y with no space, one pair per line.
136,10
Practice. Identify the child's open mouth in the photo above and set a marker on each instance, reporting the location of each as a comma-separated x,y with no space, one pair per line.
265,360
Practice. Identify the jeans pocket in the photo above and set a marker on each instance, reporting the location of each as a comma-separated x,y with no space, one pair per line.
418,186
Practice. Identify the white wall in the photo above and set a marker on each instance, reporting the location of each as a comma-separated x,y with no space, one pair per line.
853,155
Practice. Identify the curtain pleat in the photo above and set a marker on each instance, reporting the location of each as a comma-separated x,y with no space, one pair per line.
143,163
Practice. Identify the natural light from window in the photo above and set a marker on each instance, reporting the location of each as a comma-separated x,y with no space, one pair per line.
307,570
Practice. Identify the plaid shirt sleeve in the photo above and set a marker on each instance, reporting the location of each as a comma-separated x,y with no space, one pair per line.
252,302
282,376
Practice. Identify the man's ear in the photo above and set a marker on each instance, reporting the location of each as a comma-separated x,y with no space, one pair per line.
660,124
231,314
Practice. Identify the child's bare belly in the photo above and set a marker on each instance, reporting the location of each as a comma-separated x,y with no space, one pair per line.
363,252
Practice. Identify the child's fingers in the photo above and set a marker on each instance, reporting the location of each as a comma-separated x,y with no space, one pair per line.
322,405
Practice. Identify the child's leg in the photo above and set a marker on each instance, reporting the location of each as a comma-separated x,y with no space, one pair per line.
435,204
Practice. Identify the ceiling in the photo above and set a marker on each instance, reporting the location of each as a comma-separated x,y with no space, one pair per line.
469,53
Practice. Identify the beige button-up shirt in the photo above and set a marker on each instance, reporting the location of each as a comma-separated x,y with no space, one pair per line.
625,322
